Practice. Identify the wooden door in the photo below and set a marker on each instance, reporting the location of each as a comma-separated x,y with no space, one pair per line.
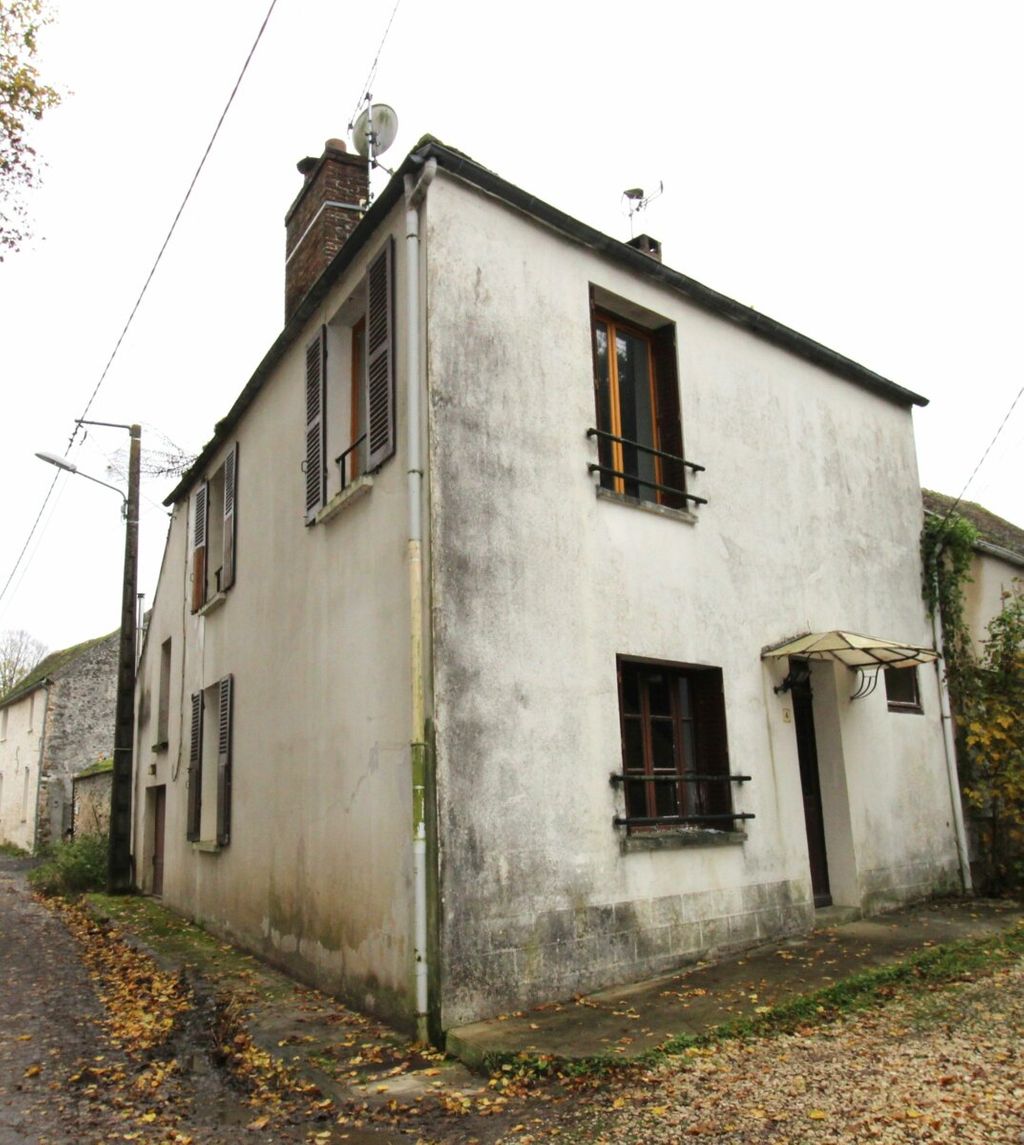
159,805
810,782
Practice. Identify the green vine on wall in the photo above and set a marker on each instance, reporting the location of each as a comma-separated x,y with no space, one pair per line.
987,697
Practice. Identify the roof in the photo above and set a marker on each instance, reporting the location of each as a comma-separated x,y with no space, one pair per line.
462,167
995,535
50,666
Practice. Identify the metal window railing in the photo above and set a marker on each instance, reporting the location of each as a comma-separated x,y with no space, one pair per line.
608,471
342,461
619,777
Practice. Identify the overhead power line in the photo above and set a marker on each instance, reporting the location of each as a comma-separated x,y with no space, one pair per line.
981,461
142,292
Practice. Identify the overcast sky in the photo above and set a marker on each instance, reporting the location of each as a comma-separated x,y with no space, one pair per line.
850,170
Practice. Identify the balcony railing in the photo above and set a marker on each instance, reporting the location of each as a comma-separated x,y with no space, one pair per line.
608,471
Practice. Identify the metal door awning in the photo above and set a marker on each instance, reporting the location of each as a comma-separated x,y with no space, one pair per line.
852,649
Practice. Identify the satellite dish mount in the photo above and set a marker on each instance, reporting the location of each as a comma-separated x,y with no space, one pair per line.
637,200
374,131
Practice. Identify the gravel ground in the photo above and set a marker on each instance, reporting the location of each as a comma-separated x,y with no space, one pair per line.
945,1066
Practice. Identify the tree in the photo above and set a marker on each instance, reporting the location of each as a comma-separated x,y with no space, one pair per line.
19,654
23,99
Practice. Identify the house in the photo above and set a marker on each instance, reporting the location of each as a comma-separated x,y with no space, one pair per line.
519,627
997,562
55,723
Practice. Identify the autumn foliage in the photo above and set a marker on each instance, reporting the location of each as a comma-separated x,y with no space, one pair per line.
987,695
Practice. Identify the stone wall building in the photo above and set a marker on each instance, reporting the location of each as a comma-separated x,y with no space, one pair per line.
56,722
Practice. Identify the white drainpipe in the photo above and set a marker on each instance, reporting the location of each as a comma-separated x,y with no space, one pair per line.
951,771
415,192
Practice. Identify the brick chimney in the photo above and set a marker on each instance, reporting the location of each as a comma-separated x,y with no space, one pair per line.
324,214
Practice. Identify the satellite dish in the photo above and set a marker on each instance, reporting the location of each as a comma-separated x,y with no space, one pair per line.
374,130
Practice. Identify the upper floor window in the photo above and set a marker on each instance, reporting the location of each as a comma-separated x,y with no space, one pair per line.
901,690
639,430
213,533
350,388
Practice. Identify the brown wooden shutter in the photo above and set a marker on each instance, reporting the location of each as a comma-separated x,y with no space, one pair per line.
712,743
380,358
201,507
668,420
224,760
195,770
227,572
316,423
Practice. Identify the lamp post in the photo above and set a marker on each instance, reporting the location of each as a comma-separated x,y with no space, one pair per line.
119,863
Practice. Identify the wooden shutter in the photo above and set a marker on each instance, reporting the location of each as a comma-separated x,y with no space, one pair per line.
201,508
380,359
227,572
316,423
712,743
195,770
667,418
224,760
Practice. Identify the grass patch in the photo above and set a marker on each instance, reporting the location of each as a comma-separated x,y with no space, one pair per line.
13,851
71,869
174,938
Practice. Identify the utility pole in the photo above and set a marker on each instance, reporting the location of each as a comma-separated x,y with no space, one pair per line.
119,870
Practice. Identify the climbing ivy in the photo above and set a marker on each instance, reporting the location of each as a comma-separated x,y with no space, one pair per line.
987,697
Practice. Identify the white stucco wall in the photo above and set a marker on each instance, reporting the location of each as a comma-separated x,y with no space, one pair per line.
20,748
991,576
315,633
812,523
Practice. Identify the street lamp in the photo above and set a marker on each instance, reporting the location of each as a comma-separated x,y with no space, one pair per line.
119,863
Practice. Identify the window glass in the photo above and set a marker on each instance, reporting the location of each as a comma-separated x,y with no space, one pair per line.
901,689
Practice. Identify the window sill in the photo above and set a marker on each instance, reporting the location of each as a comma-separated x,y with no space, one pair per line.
683,515
213,603
672,839
907,709
207,846
351,493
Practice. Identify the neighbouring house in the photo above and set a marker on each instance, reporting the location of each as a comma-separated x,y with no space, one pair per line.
519,628
997,562
55,723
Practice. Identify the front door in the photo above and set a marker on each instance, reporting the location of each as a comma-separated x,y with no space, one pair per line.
159,803
807,752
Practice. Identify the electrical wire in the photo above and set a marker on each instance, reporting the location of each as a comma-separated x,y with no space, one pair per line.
364,91
145,287
988,450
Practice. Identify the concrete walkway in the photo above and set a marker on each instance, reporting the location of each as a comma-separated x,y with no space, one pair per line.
628,1020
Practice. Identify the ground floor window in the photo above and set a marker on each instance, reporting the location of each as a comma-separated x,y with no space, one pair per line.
209,766
901,690
675,758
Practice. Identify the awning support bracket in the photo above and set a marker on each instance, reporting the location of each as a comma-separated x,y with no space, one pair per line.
867,681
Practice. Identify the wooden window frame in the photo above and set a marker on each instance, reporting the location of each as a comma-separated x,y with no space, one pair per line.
693,798
663,396
895,704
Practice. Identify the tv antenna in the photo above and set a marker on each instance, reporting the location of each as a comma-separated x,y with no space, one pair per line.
637,200
374,131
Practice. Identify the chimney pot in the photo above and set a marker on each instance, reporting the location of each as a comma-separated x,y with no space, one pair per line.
335,145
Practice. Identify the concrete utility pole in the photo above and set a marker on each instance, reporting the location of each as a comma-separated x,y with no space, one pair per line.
119,870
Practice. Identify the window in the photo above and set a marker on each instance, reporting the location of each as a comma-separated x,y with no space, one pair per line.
163,707
214,531
209,788
901,690
350,388
675,758
639,432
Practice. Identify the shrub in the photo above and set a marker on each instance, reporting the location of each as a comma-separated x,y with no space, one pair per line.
70,869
